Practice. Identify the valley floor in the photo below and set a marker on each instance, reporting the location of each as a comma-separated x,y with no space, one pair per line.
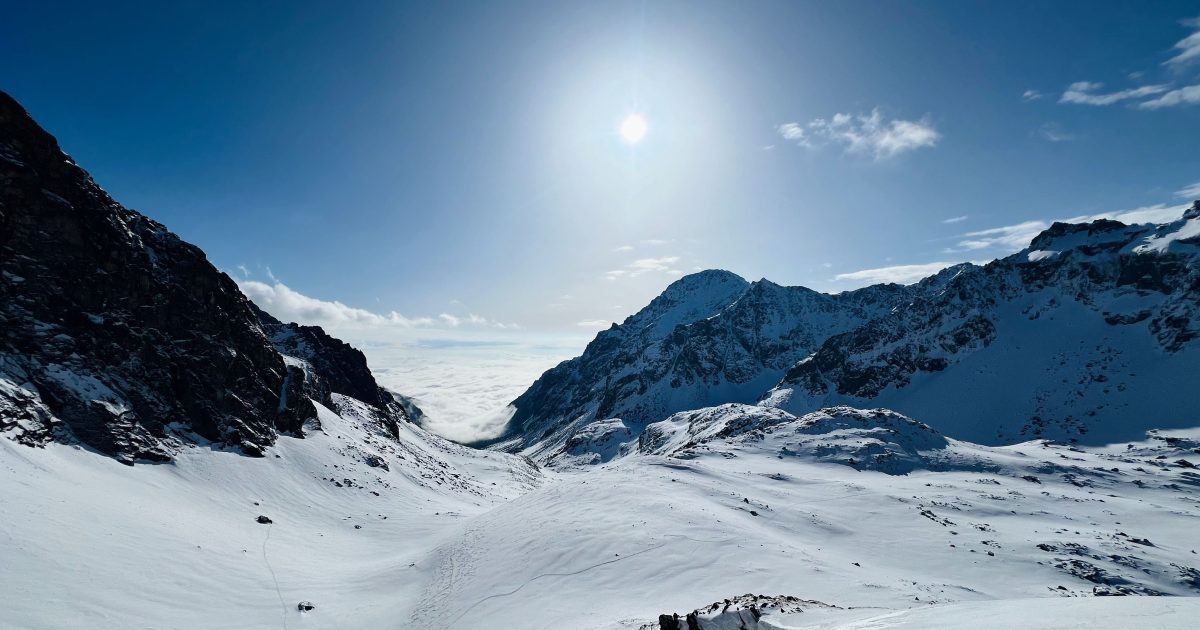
426,534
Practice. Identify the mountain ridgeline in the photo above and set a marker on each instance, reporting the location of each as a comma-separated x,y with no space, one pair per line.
1089,334
118,335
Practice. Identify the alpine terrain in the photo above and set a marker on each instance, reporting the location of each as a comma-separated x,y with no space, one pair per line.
996,445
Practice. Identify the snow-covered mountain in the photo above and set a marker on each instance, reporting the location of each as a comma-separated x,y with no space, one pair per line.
710,338
1089,334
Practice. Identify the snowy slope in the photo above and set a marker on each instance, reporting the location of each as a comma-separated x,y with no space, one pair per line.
90,543
618,544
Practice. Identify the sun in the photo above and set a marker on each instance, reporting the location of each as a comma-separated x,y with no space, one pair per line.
634,128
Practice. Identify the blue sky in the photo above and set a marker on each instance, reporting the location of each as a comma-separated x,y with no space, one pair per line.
458,163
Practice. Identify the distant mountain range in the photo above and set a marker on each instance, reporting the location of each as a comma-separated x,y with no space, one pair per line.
1088,334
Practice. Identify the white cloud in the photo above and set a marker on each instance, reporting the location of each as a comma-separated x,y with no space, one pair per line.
289,305
1188,47
244,270
657,241
864,133
872,134
1085,93
623,248
665,264
900,274
793,132
958,219
1188,95
1191,191
594,323
1031,95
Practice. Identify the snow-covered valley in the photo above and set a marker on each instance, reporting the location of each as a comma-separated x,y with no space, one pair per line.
421,533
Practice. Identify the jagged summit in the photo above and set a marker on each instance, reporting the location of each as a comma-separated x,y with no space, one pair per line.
709,338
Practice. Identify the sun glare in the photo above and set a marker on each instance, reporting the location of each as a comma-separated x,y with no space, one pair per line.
633,128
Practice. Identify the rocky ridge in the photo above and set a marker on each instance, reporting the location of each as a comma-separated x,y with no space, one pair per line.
118,335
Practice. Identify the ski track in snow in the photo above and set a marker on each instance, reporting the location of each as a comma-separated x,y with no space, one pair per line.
274,580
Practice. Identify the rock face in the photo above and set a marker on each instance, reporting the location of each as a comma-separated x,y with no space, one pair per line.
710,338
331,366
743,612
117,334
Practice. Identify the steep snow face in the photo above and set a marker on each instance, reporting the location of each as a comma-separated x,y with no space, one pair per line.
1088,335
710,338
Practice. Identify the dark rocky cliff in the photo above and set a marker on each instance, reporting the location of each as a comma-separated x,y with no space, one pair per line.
117,334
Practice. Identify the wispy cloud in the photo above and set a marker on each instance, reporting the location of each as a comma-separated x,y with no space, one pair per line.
623,248
958,219
1188,95
900,274
1085,93
290,305
1188,47
1191,191
1031,95
1012,237
1054,132
664,264
594,323
864,134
